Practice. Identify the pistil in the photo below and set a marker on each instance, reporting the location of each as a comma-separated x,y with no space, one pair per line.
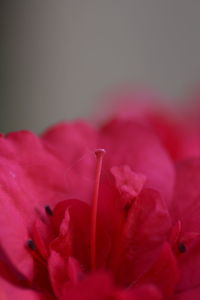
99,159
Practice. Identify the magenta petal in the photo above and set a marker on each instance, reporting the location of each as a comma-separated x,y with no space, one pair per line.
97,286
189,263
164,273
128,183
73,144
10,292
146,229
57,267
128,143
32,176
14,236
193,294
77,230
186,202
143,292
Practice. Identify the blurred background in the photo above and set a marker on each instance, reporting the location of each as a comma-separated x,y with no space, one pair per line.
59,56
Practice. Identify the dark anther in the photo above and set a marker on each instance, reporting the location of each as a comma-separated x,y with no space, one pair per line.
48,210
31,245
127,207
182,247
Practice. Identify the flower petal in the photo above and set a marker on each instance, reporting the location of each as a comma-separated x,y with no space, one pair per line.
128,143
80,231
146,228
193,294
142,292
97,286
186,203
10,292
164,273
62,272
73,145
128,182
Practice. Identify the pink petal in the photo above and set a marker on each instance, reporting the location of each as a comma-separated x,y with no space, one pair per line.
79,231
33,175
147,226
143,292
10,292
186,202
164,272
128,182
189,264
73,145
128,143
96,286
62,272
186,207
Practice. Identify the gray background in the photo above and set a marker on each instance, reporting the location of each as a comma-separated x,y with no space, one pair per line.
57,57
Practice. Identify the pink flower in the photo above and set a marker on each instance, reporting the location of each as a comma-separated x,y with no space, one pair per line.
121,225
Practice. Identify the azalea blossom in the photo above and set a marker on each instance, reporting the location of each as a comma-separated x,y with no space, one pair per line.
105,212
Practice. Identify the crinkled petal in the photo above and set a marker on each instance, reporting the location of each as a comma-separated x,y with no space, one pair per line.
128,182
128,143
145,230
80,232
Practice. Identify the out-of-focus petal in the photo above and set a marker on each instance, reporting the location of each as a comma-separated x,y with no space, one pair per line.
164,272
186,202
128,143
146,229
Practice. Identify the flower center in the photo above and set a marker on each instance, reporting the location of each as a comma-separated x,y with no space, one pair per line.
99,159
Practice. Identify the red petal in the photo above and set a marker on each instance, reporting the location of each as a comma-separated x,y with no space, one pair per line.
146,292
147,227
164,273
97,286
143,292
10,292
32,175
63,243
186,202
128,182
193,294
62,272
186,207
128,143
73,145
14,236
189,263
79,230
43,234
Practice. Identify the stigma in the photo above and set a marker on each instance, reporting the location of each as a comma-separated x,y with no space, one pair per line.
99,160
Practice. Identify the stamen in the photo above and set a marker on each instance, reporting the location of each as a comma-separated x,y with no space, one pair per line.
35,253
182,247
48,210
127,208
99,156
31,245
